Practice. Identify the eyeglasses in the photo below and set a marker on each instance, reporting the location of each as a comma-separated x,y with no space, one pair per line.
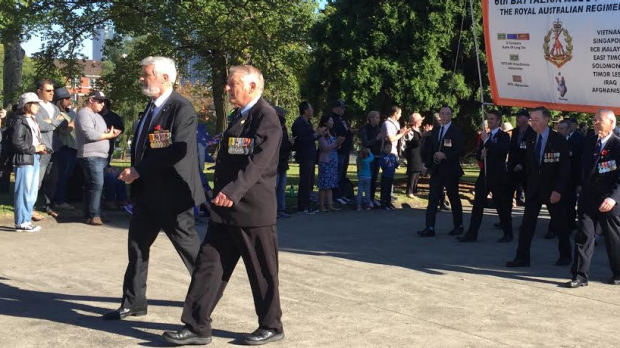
49,90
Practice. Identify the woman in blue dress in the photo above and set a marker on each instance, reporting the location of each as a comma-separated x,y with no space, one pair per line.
328,164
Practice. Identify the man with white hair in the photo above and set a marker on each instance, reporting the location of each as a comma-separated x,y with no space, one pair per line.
165,184
243,217
598,200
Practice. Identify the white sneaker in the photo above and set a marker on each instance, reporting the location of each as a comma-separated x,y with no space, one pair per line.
65,206
376,203
27,227
341,201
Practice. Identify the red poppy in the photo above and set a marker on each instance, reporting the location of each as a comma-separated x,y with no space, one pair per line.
157,128
604,153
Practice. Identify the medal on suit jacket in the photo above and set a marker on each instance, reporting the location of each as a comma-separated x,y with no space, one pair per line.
523,145
606,167
447,143
160,138
240,146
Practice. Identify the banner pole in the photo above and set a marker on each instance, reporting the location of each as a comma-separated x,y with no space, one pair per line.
473,30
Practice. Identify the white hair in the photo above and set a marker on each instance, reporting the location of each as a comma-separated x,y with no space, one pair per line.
162,66
606,113
249,74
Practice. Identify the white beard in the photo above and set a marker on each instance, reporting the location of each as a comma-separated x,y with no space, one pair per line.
150,91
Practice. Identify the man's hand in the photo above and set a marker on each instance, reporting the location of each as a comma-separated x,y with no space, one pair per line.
403,130
484,136
111,134
518,168
607,205
222,201
129,175
555,197
440,156
428,128
41,149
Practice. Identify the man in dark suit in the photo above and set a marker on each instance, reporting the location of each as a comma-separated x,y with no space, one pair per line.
243,218
599,199
164,179
493,178
447,145
305,154
548,171
575,146
516,157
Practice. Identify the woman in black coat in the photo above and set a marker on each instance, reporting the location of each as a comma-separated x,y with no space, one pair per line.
413,153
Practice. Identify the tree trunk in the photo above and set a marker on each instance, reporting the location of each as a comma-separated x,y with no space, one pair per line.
220,75
13,60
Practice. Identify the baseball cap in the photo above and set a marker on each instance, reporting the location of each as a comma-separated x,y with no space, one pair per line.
61,93
98,95
338,104
523,112
28,98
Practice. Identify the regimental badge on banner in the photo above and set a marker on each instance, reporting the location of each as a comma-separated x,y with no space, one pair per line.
606,167
160,139
447,143
240,146
523,145
552,157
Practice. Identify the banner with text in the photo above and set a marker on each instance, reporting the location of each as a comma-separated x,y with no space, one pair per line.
561,54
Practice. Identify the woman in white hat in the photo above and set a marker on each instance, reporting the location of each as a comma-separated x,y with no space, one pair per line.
26,148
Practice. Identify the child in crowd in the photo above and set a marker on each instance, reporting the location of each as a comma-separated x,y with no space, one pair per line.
388,163
364,158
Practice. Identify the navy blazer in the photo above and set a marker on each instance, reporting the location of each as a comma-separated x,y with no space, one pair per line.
452,145
600,180
553,173
497,148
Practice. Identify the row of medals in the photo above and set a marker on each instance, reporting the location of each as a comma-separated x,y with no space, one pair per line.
160,139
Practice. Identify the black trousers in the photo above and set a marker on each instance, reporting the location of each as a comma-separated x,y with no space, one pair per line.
412,182
218,256
144,227
557,211
306,183
386,191
584,240
500,200
436,191
48,179
374,175
518,182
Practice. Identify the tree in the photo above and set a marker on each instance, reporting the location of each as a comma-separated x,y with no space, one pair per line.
376,54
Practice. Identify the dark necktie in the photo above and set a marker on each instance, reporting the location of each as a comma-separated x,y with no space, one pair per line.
537,149
144,132
597,151
440,136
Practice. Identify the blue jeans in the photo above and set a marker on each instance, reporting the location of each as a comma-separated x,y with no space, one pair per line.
114,188
26,190
93,168
281,191
363,189
67,157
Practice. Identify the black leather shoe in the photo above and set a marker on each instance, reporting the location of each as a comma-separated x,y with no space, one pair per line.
564,261
518,263
457,231
576,283
444,207
550,235
262,336
466,238
185,336
507,238
427,232
497,225
614,280
123,313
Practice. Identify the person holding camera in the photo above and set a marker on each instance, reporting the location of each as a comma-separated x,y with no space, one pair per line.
27,148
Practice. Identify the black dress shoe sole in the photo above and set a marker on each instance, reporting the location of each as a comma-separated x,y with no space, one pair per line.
118,316
274,338
194,341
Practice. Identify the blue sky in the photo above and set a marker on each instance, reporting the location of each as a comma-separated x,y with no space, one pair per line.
34,44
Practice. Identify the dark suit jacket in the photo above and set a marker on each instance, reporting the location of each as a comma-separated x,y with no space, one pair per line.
305,146
413,152
249,180
575,146
517,154
497,149
551,175
597,186
453,145
169,177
